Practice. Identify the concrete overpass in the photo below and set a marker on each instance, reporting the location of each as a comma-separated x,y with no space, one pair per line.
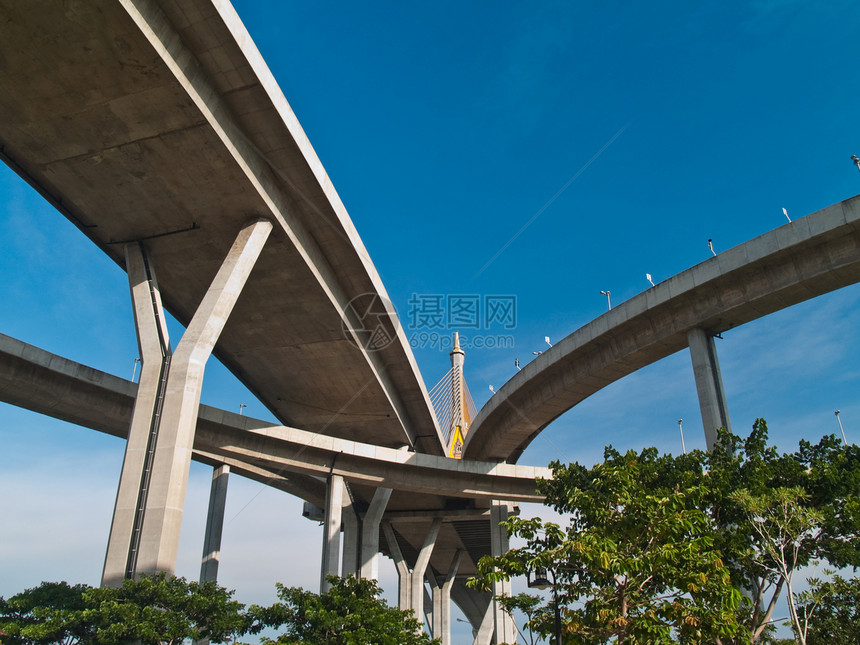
160,123
158,130
800,260
458,494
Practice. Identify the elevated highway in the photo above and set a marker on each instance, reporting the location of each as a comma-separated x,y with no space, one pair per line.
160,123
424,488
800,260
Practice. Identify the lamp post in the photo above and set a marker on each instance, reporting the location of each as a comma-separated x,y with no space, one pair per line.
681,428
856,161
539,580
608,301
838,418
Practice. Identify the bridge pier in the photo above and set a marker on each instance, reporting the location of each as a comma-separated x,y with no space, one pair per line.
505,629
214,524
144,535
709,384
331,529
441,588
351,539
369,551
361,536
420,569
411,583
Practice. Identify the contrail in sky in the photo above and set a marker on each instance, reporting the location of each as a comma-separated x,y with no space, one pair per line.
552,199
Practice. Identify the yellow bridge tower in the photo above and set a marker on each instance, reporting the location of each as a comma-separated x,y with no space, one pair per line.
453,404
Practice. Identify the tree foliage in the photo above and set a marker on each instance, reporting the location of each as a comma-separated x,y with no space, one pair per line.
157,610
693,548
636,562
53,612
528,605
164,610
834,610
779,512
350,613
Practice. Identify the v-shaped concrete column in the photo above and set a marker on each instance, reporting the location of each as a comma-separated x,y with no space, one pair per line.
154,346
369,565
404,579
421,567
441,587
154,482
487,628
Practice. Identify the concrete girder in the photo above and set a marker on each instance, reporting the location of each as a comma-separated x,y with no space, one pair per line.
46,383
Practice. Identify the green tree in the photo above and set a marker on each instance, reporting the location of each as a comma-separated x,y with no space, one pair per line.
49,613
350,613
156,610
834,608
528,605
164,610
650,539
636,562
784,528
746,478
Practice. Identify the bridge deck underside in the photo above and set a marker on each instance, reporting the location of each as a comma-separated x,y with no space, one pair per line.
93,115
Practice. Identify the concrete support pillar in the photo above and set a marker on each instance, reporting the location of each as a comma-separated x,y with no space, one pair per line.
154,346
404,578
505,629
369,564
351,539
472,603
441,587
150,534
487,628
331,530
214,524
421,567
709,384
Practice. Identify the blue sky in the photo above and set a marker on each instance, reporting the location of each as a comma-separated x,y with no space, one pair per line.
445,129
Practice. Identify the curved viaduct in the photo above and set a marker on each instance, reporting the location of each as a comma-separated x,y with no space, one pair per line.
803,259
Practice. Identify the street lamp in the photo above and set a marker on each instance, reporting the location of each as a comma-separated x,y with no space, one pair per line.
539,580
134,369
242,406
844,441
681,428
607,294
856,161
